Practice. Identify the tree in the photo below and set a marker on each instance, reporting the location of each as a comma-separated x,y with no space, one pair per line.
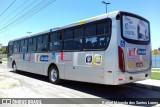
3,50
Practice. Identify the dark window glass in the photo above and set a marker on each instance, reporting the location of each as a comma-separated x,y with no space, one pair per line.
68,44
108,28
34,44
10,48
24,50
54,36
90,30
14,47
68,34
39,44
101,28
39,39
30,41
18,46
55,41
78,33
45,39
45,43
77,44
25,42
74,44
55,46
42,45
30,45
21,46
98,42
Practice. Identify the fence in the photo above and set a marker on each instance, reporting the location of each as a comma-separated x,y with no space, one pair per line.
156,61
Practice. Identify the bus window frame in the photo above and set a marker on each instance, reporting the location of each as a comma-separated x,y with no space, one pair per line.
109,21
59,33
138,17
73,38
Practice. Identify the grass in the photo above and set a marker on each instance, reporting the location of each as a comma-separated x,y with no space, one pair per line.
155,75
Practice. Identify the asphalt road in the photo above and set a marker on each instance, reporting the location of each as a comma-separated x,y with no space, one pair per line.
28,85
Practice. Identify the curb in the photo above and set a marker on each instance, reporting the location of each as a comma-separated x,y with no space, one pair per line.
151,87
4,62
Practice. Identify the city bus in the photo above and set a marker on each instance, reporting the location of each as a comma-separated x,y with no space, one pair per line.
111,49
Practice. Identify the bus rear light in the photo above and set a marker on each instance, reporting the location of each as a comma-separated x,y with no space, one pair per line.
121,59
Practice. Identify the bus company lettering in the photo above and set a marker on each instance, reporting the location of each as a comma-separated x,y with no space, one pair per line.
141,51
135,51
44,58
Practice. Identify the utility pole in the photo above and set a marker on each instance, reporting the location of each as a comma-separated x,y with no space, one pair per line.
106,3
29,33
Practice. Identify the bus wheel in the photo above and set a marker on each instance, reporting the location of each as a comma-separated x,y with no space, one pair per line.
54,75
14,67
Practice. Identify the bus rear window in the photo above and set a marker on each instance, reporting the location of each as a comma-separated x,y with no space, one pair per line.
135,29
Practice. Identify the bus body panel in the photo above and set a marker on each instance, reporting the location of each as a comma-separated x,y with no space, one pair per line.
81,64
111,63
137,58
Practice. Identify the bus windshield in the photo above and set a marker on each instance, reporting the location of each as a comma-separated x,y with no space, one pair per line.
135,29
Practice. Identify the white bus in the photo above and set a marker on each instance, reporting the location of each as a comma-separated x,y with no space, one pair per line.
113,49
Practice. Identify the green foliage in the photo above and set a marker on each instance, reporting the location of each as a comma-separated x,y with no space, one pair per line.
3,50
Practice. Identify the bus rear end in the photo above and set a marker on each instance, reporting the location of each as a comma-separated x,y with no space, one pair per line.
134,49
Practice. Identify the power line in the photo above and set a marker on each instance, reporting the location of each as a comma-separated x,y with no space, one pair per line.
20,12
28,14
13,11
35,12
8,7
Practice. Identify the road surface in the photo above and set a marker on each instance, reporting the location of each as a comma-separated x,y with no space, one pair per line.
27,85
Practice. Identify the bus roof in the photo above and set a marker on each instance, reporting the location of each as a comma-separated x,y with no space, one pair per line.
81,22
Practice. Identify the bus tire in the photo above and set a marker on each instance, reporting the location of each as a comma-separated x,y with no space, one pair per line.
54,75
14,67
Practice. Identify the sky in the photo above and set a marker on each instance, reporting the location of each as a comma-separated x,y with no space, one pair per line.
63,12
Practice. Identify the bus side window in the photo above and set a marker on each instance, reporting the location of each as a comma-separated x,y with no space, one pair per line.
89,34
39,43
100,38
90,30
15,47
78,34
45,43
21,46
55,41
18,46
25,48
34,44
30,45
68,39
10,48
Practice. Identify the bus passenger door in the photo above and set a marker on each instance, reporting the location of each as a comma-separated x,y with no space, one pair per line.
39,63
32,63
